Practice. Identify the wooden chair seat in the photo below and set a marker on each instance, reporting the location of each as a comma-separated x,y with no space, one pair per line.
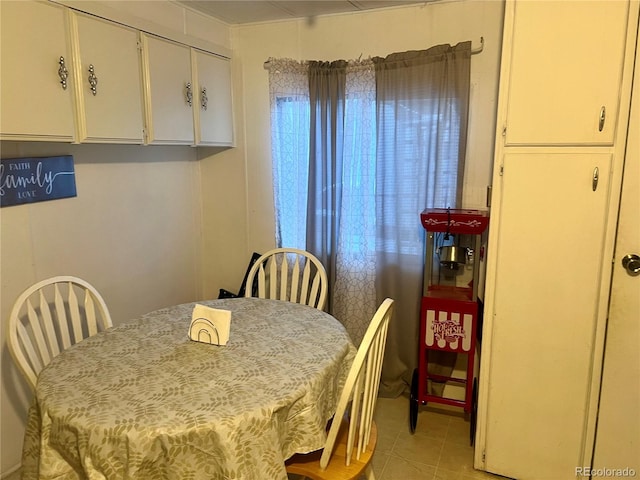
351,442
308,465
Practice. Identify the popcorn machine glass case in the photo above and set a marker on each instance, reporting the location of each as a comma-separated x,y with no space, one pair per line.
449,310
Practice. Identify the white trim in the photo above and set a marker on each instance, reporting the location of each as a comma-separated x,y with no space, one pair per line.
100,9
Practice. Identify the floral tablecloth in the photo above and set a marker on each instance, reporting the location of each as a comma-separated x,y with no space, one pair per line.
142,401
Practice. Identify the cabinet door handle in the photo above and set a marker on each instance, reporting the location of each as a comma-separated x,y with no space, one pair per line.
63,73
93,80
203,99
631,264
188,94
603,114
596,177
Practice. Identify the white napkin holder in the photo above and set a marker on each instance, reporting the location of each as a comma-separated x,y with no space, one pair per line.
210,325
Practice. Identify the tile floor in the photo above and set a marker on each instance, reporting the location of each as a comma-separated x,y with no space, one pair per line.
438,450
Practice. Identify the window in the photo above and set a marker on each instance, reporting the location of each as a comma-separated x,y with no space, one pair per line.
290,144
388,141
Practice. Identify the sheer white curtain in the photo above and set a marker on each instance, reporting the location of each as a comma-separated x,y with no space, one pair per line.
359,150
335,219
354,292
289,94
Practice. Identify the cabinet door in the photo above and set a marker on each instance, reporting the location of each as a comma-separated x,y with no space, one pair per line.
34,103
107,52
215,119
548,258
168,85
565,68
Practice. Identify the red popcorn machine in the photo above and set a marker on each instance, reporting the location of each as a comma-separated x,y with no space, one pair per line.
449,310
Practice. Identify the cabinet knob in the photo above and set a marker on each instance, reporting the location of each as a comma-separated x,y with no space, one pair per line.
203,99
63,73
631,264
595,178
188,93
93,80
603,114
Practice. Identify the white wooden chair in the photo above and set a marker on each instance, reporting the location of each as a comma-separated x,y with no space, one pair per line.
289,274
352,436
49,317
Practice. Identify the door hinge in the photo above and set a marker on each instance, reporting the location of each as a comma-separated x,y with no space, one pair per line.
484,456
504,130
501,170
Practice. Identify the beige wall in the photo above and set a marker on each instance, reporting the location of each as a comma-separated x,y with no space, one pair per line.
225,253
133,231
348,36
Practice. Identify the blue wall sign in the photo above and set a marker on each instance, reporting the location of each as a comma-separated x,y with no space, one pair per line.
29,180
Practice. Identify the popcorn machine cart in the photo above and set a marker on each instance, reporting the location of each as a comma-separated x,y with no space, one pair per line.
449,310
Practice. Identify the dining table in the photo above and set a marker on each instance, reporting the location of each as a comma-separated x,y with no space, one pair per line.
142,400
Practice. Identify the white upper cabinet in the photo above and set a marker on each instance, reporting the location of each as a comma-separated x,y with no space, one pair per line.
187,95
212,99
169,91
35,102
108,81
565,71
70,76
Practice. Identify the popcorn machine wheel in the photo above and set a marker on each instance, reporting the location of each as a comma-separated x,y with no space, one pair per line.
449,309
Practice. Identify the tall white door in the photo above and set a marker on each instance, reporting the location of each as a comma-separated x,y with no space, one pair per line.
548,255
556,192
618,431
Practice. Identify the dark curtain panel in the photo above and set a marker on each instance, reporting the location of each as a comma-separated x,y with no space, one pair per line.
327,83
422,109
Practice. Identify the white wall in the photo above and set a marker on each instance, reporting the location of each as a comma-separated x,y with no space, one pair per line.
348,36
225,250
134,230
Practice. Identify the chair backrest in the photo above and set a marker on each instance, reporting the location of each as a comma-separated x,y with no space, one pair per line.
49,317
360,393
243,286
290,274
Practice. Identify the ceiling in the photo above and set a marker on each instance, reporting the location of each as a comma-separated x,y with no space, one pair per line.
236,12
